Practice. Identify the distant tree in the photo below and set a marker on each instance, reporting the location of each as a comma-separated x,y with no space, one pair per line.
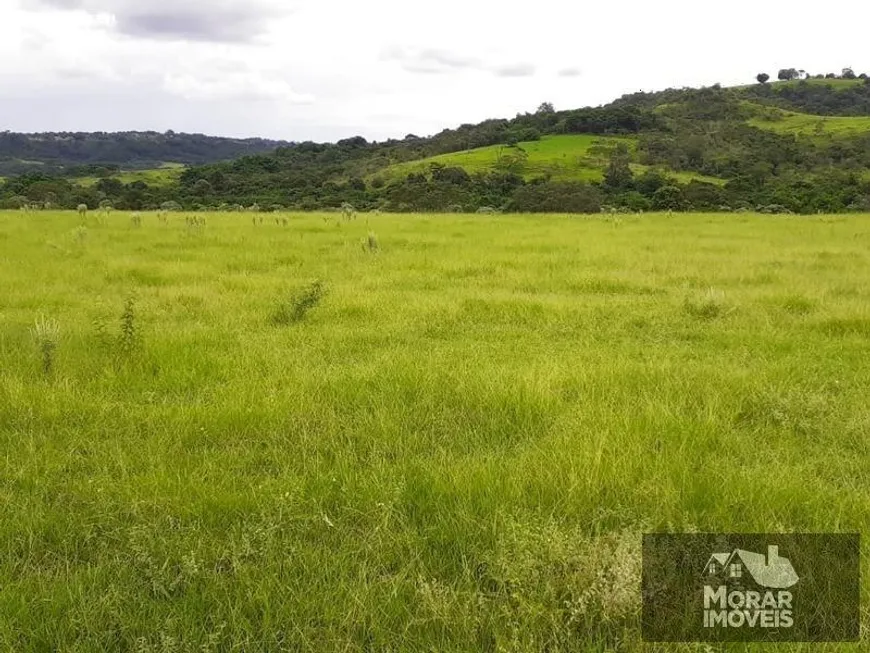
668,198
551,197
357,184
762,78
202,187
848,73
546,107
786,74
109,186
649,182
451,175
18,201
862,76
831,76
618,175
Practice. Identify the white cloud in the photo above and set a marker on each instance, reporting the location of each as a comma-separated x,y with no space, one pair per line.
515,70
241,86
383,68
197,20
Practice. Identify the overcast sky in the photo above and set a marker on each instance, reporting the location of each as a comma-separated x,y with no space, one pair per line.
329,69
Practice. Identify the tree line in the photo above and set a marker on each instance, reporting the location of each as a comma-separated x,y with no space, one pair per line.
705,132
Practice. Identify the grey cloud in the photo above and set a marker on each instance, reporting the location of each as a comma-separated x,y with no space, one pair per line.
570,72
55,4
429,60
435,61
515,70
191,20
229,26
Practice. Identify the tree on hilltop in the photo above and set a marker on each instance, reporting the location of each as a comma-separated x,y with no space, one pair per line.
762,78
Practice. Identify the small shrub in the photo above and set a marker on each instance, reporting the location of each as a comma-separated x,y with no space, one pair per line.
370,244
348,211
709,305
128,338
798,305
296,306
774,209
101,330
46,333
80,234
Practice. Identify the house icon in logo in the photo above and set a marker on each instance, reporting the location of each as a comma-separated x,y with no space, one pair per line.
739,566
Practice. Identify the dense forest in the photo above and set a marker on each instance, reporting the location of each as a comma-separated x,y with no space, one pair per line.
77,153
800,145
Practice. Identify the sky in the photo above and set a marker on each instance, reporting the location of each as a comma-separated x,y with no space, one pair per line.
329,69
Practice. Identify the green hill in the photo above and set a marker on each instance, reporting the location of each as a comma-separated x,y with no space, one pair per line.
574,156
571,157
805,124
162,176
800,146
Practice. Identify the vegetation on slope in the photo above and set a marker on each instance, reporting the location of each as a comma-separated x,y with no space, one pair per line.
570,157
804,124
164,175
563,157
713,148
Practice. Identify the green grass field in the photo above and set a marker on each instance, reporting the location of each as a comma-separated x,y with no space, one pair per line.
838,84
804,124
457,449
165,174
573,157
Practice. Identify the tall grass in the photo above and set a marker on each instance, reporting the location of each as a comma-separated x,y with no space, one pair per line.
457,449
46,333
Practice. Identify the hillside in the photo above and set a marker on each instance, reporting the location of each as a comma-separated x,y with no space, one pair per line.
572,157
805,124
75,154
800,146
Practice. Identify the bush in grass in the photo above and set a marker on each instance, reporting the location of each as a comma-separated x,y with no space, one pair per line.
46,333
295,307
371,244
709,305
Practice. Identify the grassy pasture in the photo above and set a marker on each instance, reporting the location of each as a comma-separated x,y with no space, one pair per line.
165,174
837,84
458,448
804,124
569,157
